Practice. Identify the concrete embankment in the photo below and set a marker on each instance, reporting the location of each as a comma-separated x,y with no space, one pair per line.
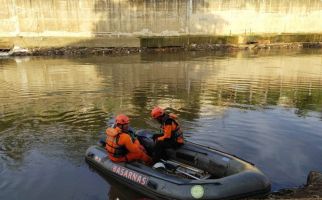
125,26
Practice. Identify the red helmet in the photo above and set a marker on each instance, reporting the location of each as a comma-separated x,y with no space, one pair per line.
122,119
157,112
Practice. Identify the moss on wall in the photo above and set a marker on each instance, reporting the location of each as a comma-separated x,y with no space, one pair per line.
182,41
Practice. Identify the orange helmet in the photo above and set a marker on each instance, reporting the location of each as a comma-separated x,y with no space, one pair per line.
157,112
122,119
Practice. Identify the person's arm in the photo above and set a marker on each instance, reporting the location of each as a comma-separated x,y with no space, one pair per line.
166,130
127,142
131,132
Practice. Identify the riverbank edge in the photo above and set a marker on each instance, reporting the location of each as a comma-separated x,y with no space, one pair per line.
123,45
311,190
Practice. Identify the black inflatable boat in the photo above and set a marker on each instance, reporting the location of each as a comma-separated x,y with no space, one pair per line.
192,171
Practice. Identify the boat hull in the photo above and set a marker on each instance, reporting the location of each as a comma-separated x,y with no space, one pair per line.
237,178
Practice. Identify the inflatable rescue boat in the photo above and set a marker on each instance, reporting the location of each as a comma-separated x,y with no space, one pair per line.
192,171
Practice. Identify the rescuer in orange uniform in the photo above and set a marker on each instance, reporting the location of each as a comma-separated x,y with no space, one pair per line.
170,136
121,144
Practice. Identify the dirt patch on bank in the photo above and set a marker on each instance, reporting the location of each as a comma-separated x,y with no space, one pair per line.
312,189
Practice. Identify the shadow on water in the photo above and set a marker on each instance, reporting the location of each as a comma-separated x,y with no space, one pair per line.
118,191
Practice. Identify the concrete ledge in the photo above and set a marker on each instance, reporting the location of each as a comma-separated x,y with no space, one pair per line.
155,41
186,40
57,42
12,46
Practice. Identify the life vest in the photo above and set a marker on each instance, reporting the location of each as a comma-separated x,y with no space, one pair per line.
176,134
112,147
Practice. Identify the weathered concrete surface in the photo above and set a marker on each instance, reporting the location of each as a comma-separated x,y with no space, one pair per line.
158,24
86,18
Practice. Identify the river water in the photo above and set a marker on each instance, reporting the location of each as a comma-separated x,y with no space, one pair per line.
263,107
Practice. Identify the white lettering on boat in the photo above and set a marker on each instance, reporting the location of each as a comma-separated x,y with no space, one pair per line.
131,175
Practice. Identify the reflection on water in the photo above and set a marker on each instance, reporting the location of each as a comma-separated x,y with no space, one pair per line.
265,108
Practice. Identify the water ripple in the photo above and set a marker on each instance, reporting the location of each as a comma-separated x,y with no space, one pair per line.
263,108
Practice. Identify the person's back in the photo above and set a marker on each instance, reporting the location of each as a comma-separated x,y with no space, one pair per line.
120,146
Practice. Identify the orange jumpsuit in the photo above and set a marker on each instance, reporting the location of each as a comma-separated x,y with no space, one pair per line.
121,148
171,137
170,127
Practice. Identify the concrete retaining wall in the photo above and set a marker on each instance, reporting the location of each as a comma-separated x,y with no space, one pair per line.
120,19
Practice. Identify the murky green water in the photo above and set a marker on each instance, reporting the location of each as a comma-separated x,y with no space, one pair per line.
265,108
